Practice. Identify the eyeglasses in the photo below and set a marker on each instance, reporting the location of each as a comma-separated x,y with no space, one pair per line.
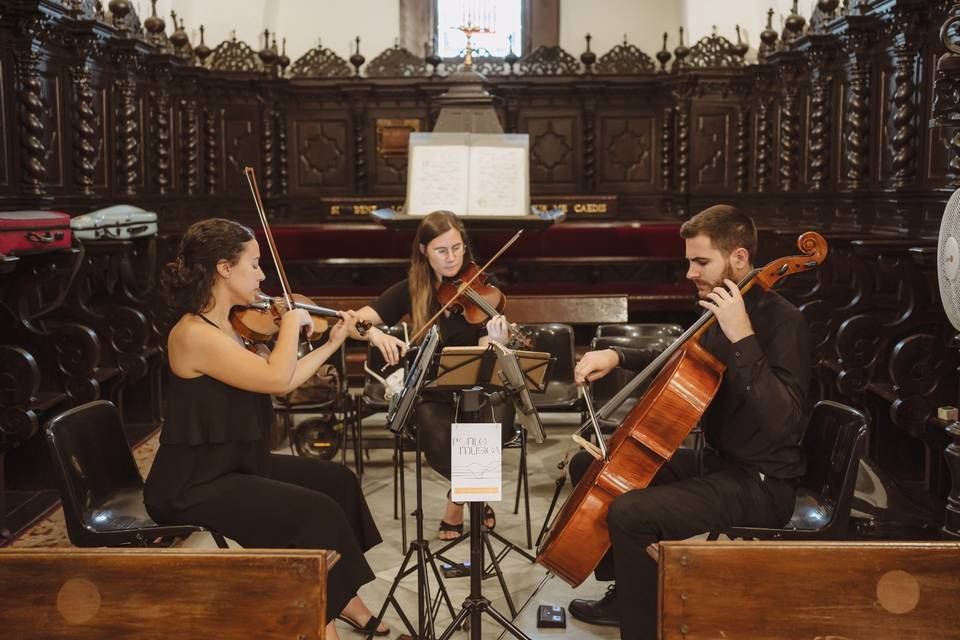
455,250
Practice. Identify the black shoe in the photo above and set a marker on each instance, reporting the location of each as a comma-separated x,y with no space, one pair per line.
604,611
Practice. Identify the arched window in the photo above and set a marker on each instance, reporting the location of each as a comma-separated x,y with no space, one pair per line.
498,25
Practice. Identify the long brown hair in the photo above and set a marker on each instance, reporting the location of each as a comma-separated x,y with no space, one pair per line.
420,277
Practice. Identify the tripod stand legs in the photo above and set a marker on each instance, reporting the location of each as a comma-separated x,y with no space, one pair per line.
476,604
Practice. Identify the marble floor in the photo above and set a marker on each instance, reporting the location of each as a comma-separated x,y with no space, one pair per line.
527,583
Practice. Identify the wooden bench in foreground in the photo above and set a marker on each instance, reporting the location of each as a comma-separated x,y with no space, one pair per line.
809,590
173,593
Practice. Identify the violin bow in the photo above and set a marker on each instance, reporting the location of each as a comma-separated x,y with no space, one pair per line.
464,286
252,181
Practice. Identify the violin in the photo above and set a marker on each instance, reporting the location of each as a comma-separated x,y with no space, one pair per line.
479,300
259,322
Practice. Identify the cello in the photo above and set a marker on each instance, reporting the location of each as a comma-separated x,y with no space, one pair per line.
687,378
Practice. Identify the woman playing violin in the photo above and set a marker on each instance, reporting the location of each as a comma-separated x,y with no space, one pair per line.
441,251
214,467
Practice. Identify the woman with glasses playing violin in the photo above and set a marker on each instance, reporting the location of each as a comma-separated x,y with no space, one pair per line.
441,250
214,467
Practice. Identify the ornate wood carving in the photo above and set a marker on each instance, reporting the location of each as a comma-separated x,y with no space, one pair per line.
396,63
683,147
189,145
711,150
321,153
857,154
160,151
743,150
589,146
210,168
359,149
283,180
789,126
821,81
235,55
128,132
549,61
242,149
266,151
86,136
904,137
320,62
764,144
624,59
628,145
711,52
666,149
551,149
33,112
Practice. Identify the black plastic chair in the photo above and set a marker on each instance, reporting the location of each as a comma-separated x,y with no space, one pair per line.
833,445
100,485
639,330
560,393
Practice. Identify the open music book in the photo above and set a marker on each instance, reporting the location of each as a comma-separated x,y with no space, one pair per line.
468,174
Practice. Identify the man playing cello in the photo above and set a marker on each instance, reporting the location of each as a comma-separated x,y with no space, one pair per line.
747,473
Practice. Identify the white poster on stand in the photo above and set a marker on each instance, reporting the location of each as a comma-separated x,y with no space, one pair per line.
476,462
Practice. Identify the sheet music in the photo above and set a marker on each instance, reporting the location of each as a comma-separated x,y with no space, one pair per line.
498,179
438,177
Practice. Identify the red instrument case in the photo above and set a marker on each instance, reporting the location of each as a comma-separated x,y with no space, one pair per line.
25,232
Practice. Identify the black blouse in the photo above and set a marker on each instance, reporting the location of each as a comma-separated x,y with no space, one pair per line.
455,331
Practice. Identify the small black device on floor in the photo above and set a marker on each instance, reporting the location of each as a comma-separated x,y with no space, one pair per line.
455,570
551,616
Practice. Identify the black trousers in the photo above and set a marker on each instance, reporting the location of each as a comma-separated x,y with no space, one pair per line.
435,414
301,504
679,503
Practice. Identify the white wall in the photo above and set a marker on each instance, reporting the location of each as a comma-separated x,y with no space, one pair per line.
301,22
377,22
643,22
699,17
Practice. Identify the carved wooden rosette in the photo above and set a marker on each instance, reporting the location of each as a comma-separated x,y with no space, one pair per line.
189,144
857,151
31,106
86,137
210,150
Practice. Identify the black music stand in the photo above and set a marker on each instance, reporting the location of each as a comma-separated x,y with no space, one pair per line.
472,372
401,408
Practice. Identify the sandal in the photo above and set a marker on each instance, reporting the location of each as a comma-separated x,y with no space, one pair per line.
489,517
368,629
447,527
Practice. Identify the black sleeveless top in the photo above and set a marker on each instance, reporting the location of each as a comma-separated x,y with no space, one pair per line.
209,429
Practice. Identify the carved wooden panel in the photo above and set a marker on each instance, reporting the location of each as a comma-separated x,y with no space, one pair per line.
4,136
387,175
883,156
628,152
936,141
101,166
241,143
53,103
320,153
711,148
553,151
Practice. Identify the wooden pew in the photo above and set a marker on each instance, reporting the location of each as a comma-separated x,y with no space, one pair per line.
174,593
808,590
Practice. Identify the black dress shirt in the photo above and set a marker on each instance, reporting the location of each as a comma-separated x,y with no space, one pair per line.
758,416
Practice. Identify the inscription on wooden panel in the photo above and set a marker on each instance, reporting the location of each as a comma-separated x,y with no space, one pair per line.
711,150
552,149
321,152
241,149
627,149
